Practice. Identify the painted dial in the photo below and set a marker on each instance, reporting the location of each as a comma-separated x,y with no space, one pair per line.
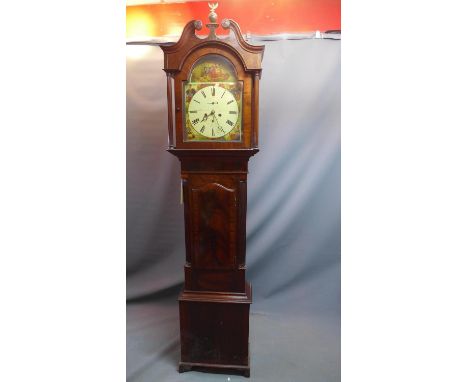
213,111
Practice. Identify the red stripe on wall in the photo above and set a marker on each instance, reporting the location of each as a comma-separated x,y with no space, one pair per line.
256,17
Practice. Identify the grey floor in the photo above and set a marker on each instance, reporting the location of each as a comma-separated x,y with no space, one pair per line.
282,348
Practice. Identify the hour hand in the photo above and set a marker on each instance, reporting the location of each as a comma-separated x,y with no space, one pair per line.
208,115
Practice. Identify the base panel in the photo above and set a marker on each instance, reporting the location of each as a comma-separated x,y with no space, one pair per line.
214,332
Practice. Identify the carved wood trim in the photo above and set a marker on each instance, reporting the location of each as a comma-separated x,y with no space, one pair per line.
170,118
255,100
246,153
223,297
176,54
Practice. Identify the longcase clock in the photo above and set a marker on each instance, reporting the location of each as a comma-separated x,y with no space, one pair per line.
213,92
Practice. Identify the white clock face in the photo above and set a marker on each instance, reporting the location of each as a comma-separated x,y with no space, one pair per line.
213,111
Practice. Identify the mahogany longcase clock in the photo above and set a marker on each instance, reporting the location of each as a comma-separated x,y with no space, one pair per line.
213,90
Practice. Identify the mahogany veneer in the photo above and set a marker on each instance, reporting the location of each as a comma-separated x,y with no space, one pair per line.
215,302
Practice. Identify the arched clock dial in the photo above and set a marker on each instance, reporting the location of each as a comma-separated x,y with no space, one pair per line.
213,111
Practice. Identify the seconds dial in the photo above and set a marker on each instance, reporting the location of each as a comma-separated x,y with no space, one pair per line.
213,111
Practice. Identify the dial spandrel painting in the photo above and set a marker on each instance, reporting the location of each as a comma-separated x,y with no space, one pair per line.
213,102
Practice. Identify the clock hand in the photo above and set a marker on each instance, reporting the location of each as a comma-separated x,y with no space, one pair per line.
211,114
207,116
219,127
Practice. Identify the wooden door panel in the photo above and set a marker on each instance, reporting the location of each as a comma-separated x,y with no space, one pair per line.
214,222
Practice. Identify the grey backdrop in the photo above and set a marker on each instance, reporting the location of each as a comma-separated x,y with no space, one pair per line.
293,221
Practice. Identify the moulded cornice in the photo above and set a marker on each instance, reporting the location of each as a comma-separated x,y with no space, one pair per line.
176,54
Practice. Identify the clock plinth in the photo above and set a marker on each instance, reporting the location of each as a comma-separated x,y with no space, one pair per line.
213,87
215,330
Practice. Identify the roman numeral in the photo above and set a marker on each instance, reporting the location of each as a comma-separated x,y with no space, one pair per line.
230,123
202,129
195,121
202,92
213,91
212,132
231,101
233,112
223,94
220,128
196,101
193,111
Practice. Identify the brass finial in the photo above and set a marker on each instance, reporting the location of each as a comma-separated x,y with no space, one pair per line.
213,17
